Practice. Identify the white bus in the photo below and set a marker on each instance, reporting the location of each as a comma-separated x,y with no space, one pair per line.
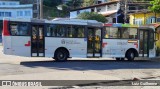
65,38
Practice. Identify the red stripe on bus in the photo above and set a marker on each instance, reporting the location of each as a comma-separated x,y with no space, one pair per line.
5,28
104,44
109,25
136,44
28,44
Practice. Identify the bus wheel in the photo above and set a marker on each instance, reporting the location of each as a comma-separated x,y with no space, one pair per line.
130,55
61,55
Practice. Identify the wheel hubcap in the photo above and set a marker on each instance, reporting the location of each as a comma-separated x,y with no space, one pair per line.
61,55
132,55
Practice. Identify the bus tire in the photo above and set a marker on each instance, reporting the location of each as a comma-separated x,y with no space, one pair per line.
130,55
61,55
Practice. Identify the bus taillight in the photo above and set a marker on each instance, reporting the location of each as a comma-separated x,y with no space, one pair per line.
5,28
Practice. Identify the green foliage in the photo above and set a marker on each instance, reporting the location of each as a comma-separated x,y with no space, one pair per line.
88,2
155,6
92,16
52,3
74,4
65,10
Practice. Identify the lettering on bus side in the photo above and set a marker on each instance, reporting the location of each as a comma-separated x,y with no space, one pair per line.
63,41
121,43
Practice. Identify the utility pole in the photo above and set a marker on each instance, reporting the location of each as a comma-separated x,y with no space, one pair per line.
41,9
126,10
38,9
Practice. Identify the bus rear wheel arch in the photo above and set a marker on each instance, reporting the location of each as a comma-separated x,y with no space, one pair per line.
131,54
61,54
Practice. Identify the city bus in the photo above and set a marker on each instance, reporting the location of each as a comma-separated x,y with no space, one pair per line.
66,38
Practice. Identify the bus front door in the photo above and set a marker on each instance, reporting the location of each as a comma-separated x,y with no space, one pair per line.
37,41
94,46
146,48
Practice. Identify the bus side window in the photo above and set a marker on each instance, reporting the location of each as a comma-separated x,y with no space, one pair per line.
114,32
61,31
51,30
79,31
125,32
70,31
19,29
23,29
129,33
106,32
14,29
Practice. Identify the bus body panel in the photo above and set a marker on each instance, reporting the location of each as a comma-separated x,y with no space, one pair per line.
152,53
77,47
117,47
21,47
111,49
7,48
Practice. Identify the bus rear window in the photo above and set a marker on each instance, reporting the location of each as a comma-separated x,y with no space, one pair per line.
19,29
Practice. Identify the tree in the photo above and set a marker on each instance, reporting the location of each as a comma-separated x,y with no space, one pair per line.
88,2
155,7
52,3
92,16
64,12
74,4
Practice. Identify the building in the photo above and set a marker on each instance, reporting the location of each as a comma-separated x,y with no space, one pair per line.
141,18
15,10
108,9
112,9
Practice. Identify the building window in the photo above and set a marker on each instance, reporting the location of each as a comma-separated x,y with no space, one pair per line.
7,14
92,10
99,2
152,20
158,19
12,3
2,14
78,12
138,21
3,3
114,20
27,13
99,10
20,13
